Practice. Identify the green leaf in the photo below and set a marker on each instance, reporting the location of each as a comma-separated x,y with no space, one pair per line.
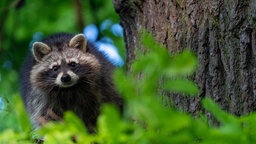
219,114
182,64
182,86
125,84
11,137
21,114
75,123
152,45
111,127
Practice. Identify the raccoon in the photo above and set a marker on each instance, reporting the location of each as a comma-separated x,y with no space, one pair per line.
63,73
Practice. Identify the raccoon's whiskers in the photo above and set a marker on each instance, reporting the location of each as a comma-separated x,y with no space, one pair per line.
86,81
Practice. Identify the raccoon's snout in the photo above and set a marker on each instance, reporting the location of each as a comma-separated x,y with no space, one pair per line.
65,78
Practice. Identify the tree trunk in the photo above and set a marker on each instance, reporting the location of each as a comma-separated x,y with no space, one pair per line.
221,32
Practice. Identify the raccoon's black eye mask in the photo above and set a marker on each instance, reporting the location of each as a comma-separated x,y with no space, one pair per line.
55,68
73,64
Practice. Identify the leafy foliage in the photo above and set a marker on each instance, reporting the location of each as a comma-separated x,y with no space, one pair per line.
145,119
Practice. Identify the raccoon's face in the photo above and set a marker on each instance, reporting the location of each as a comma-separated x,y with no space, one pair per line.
64,71
66,68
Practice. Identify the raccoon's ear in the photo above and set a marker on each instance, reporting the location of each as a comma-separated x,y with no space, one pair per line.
79,42
39,50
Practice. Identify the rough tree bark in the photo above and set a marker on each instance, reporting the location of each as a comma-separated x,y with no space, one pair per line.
221,32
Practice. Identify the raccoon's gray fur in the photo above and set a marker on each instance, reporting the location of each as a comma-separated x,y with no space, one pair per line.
65,72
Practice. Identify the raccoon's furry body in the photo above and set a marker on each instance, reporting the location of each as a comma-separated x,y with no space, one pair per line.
66,73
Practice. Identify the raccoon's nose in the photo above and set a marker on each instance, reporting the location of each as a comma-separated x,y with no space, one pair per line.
65,78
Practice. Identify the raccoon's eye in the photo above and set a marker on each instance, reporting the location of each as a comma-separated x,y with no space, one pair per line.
72,64
55,68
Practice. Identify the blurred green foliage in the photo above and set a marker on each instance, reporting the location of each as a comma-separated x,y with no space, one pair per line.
145,120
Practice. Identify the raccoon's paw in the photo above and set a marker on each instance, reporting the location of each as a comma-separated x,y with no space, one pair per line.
49,116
